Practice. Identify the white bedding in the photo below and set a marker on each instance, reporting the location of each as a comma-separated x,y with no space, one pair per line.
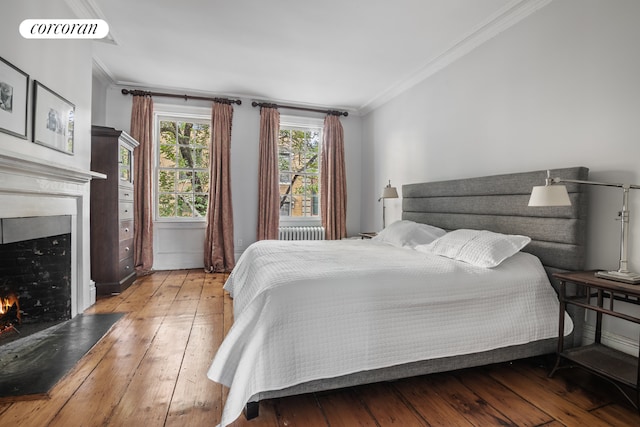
318,309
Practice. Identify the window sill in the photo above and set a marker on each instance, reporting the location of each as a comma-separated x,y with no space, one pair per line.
299,222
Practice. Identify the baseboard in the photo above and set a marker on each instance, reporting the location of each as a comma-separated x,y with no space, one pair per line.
177,261
92,292
618,342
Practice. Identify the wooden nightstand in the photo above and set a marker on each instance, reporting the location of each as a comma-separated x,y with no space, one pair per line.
368,235
604,361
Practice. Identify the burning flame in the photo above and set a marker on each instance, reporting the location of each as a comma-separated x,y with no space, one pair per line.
7,302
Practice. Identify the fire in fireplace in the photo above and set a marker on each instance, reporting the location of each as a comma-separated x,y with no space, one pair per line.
9,312
35,275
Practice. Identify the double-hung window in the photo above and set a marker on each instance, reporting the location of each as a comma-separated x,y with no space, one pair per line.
299,146
183,166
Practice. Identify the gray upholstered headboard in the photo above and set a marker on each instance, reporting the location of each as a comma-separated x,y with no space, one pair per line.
499,203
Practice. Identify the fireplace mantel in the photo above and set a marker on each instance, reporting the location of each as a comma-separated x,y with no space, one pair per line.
31,187
33,166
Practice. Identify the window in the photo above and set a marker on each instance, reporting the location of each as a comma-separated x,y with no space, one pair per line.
299,164
183,167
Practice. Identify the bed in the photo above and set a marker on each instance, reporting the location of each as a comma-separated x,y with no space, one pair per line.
312,316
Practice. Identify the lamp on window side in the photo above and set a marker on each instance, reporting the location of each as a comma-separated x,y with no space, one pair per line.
388,192
552,194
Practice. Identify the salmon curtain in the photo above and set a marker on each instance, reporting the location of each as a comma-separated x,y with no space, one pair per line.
218,246
268,175
333,180
142,131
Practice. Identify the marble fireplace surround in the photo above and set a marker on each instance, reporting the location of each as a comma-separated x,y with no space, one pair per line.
30,188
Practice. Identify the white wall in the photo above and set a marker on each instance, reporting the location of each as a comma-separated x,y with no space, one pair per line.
98,101
560,88
64,66
178,245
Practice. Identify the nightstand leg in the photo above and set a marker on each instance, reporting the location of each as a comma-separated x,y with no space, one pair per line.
555,367
598,335
563,307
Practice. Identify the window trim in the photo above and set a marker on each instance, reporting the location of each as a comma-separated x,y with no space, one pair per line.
168,111
302,122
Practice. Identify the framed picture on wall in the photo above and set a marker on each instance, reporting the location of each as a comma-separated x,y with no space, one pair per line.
53,119
14,88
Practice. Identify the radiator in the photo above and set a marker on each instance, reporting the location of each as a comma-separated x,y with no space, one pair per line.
301,233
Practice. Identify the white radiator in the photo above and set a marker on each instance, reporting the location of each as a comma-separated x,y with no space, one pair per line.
301,233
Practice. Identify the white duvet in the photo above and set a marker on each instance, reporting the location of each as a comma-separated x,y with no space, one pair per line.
318,309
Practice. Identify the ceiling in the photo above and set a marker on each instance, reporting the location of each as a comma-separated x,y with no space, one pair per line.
347,54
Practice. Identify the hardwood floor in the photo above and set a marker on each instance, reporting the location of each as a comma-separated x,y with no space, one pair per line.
150,370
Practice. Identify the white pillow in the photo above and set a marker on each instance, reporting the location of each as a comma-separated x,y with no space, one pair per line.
409,234
477,247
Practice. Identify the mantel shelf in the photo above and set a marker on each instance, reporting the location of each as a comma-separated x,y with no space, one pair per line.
30,165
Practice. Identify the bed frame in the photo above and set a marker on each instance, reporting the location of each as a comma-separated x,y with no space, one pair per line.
497,203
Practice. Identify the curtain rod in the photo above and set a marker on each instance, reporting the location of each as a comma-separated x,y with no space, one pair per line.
185,97
290,107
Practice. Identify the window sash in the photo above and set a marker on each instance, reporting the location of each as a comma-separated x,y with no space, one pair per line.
182,191
301,203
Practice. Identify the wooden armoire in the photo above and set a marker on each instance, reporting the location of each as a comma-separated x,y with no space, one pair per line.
112,267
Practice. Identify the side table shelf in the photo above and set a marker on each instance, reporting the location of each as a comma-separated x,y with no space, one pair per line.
611,364
605,361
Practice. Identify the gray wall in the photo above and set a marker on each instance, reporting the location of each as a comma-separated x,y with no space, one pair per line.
560,88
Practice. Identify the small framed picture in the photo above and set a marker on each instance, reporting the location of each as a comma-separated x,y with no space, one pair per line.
53,119
14,88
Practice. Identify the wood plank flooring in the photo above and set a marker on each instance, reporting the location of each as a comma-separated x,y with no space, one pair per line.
150,370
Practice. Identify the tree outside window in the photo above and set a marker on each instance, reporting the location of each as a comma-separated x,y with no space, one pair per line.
298,150
183,168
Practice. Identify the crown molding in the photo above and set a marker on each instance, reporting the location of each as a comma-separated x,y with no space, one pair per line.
87,9
101,71
503,19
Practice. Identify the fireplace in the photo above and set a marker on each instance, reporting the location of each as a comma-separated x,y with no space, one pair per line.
35,274
44,213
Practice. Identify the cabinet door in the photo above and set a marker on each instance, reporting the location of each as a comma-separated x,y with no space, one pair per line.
125,158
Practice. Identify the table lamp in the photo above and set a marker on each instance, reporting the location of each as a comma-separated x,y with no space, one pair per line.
388,192
552,194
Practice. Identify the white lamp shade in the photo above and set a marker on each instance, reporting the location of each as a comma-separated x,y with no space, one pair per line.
389,192
549,195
